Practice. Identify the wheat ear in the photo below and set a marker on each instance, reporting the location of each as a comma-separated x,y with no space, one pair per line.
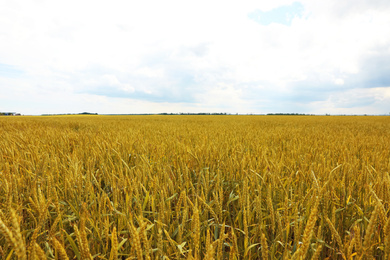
264,247
309,229
60,250
20,247
114,245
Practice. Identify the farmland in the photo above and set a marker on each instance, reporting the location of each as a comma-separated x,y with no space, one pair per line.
194,187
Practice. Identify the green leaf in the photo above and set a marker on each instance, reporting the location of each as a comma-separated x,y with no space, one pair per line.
232,198
121,243
145,201
249,248
73,245
149,227
171,197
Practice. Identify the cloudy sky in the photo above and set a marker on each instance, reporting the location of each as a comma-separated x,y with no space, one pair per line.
309,56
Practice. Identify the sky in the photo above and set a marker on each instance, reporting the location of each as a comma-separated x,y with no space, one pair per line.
180,56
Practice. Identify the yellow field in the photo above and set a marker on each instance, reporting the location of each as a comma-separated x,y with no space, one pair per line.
196,187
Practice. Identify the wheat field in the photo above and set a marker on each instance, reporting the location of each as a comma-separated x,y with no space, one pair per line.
194,187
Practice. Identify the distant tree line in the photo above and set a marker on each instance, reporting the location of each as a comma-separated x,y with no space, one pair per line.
68,114
9,114
288,114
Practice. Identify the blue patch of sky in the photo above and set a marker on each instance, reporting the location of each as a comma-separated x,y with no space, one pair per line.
282,15
10,71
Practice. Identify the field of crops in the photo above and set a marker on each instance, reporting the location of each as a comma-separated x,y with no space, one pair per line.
194,187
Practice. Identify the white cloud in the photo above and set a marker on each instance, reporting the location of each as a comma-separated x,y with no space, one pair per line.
355,101
190,55
339,81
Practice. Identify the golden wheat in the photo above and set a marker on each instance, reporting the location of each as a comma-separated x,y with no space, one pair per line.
214,187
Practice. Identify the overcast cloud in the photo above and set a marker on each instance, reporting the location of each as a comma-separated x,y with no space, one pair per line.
306,56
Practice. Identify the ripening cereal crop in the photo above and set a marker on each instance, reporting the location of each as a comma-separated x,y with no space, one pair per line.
194,187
